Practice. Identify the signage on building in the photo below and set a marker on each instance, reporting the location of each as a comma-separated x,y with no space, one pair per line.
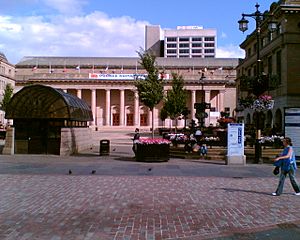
114,76
122,76
292,128
235,145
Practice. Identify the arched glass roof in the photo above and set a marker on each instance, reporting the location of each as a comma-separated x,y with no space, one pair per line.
44,102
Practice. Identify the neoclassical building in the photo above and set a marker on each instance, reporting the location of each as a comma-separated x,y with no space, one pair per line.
7,76
107,85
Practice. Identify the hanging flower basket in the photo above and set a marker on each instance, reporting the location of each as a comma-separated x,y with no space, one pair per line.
264,102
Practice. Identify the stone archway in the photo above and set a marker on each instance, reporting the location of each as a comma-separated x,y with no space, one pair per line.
248,119
269,118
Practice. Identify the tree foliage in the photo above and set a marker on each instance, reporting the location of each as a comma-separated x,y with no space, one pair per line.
150,89
8,93
175,101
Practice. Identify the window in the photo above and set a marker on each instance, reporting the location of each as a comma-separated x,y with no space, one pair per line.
184,51
196,56
249,52
209,56
196,50
209,44
196,39
171,39
184,39
279,29
270,70
196,44
278,65
227,109
171,45
171,51
184,45
209,39
209,50
183,56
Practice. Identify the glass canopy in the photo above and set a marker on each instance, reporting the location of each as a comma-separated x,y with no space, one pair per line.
44,102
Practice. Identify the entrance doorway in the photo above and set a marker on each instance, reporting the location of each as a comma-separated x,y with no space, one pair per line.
37,137
116,119
129,118
144,118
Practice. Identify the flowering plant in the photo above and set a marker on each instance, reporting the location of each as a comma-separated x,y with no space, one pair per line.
226,120
213,139
147,141
271,139
264,102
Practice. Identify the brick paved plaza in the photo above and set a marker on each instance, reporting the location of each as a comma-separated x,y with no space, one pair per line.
180,199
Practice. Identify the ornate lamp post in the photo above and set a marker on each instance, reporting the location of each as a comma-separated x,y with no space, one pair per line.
243,26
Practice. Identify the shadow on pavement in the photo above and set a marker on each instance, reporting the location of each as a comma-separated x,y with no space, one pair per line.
242,190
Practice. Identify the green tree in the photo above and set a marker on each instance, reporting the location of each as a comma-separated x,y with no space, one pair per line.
7,95
151,88
163,115
175,101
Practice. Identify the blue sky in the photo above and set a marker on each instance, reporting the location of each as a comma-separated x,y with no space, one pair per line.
113,28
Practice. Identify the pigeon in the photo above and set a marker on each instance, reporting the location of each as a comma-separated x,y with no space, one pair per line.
114,149
70,172
149,169
93,172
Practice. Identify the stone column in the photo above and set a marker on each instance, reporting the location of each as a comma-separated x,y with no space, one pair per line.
136,109
107,107
193,101
150,118
221,100
122,107
93,103
9,147
207,100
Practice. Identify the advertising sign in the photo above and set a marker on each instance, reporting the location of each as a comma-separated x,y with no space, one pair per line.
113,76
122,76
235,137
292,128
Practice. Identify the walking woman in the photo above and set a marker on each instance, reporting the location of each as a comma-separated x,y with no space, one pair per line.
287,162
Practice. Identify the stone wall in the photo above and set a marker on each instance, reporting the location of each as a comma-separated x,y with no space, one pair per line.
74,140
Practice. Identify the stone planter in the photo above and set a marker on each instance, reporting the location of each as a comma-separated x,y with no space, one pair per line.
152,152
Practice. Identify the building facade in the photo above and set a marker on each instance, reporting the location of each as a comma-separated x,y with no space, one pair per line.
107,85
279,64
7,76
183,42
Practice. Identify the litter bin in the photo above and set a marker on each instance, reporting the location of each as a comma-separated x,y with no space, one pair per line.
104,147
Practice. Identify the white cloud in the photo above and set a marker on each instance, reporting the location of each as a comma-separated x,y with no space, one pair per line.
230,51
95,34
66,7
223,35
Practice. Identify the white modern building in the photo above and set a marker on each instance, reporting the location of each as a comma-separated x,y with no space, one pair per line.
183,42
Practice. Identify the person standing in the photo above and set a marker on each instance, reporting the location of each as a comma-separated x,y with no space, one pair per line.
287,163
198,135
135,139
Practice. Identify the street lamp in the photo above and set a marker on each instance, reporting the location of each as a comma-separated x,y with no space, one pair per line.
243,26
201,114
